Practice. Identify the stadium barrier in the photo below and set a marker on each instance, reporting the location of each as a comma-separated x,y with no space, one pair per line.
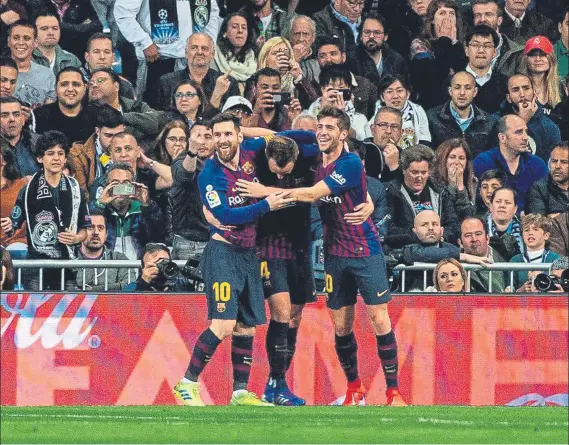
129,349
133,268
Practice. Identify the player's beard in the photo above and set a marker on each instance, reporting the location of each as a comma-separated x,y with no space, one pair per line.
332,146
227,156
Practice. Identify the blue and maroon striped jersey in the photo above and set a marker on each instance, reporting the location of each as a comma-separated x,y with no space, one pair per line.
346,178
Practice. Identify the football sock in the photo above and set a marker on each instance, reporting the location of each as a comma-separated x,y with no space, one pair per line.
387,351
276,344
241,358
205,346
291,345
347,350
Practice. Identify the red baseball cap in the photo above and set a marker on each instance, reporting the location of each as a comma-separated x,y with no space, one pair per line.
539,42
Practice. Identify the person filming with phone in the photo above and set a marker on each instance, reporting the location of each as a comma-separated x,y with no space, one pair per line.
133,219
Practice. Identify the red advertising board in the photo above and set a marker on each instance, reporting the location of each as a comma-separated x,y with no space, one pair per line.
83,349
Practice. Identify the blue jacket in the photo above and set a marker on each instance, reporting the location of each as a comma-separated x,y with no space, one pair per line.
541,129
531,169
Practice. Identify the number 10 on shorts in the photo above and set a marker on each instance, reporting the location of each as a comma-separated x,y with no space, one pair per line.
222,291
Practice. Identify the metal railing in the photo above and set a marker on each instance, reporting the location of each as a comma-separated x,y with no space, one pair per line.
134,266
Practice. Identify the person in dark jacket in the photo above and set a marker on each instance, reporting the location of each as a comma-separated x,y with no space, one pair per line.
459,118
560,114
373,58
278,25
340,19
414,193
548,196
521,23
521,100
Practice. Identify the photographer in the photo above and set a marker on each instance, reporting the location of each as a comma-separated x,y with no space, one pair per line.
558,281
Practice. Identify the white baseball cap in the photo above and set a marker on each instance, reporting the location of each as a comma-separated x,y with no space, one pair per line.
235,101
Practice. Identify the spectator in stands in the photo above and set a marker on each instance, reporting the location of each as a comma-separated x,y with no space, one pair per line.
540,64
453,169
267,20
561,47
536,230
414,193
509,53
48,52
133,219
69,114
503,225
190,103
513,156
438,53
236,52
22,141
55,209
373,58
36,83
7,276
99,53
460,118
481,49
159,53
450,276
394,91
268,112
171,142
11,11
93,248
10,184
302,37
341,19
521,23
548,196
559,240
382,150
475,242
8,77
199,55
305,121
90,158
420,7
241,108
522,101
560,114
489,182
189,226
330,51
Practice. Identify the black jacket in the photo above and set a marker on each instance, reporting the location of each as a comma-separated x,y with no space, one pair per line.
375,162
443,126
492,93
533,24
328,25
546,197
400,207
361,63
560,116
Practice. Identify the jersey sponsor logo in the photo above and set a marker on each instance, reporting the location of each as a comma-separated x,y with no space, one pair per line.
338,178
212,197
248,168
236,200
331,199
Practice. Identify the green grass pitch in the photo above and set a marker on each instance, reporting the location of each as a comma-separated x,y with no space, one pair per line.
177,424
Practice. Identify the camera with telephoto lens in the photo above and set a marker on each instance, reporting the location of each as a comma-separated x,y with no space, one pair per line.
545,283
167,274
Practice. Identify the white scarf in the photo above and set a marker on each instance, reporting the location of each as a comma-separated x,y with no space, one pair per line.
239,71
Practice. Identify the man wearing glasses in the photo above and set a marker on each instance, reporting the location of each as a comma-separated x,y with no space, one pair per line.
342,19
373,58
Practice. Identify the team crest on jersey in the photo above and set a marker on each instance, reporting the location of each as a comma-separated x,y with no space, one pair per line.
212,197
220,307
248,168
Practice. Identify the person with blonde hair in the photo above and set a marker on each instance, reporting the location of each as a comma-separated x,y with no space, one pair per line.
450,276
277,53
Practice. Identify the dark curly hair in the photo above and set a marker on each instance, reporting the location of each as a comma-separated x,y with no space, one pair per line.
225,46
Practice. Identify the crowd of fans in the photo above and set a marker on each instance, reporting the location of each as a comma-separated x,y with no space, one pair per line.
457,109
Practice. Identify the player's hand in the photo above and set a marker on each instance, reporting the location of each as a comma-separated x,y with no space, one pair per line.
151,53
251,189
279,200
215,222
473,259
68,238
391,155
149,272
360,214
6,225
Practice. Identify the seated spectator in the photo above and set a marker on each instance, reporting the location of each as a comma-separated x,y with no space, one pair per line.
373,58
241,108
414,193
22,142
502,224
48,52
548,196
561,47
481,48
69,114
522,101
560,114
382,150
394,91
337,93
133,219
453,169
420,7
99,53
11,11
55,209
267,20
513,156
536,230
340,19
8,77
460,118
302,37
489,182
521,23
438,53
217,87
10,185
171,142
305,121
93,248
190,103
268,113
559,239
236,52
36,83
475,242
89,159
450,276
540,64
189,227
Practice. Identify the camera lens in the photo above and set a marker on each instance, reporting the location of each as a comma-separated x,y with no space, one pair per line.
543,282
